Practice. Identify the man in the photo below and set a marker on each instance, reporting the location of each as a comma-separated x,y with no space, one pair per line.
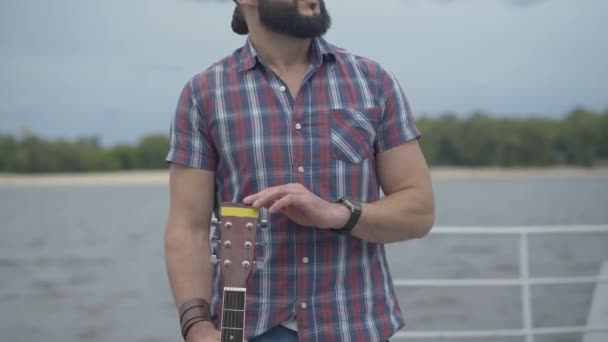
309,133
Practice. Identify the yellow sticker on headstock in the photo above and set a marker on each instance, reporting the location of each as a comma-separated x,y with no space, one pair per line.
240,212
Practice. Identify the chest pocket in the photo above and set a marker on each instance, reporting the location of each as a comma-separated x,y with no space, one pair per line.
352,133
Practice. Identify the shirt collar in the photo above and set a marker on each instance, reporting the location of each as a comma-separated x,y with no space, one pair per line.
322,51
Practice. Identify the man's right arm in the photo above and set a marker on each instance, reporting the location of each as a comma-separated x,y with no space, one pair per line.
187,247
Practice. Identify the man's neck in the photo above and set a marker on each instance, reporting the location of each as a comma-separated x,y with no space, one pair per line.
282,52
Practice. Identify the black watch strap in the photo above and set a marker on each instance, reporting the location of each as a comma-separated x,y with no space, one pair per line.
355,214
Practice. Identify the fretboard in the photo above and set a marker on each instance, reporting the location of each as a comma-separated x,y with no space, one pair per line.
233,315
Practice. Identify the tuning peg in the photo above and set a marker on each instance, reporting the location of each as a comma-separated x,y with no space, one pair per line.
213,244
214,260
259,263
215,223
263,224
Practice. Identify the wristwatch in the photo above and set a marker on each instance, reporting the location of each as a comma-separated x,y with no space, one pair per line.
355,214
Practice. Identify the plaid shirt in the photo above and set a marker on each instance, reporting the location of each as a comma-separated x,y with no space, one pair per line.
238,119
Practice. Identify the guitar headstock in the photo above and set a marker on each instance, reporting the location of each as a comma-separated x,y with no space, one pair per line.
238,226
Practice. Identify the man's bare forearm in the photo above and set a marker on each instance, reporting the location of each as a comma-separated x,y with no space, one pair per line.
404,215
187,251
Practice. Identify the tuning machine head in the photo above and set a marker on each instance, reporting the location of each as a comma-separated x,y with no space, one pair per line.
263,224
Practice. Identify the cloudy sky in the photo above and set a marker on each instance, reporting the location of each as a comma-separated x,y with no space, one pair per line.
114,68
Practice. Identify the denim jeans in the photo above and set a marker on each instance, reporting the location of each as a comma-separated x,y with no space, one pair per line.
278,334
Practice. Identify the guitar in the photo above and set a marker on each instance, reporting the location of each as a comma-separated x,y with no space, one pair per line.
238,227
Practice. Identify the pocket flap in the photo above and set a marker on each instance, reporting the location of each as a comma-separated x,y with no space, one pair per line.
352,134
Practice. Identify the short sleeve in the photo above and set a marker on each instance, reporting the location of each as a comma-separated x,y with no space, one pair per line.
190,142
397,125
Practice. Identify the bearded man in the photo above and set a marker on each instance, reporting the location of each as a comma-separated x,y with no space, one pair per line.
324,144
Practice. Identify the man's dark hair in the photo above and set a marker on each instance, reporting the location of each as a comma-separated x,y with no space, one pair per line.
239,25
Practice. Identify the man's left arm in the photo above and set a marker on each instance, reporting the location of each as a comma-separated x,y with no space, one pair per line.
408,209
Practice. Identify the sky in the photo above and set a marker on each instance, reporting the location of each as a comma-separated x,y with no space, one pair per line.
114,68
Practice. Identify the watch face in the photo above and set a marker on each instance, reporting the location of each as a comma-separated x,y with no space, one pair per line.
355,209
350,205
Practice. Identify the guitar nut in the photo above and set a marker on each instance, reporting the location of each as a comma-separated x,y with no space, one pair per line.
248,244
246,264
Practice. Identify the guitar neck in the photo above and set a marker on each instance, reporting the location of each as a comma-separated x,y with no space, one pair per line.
233,315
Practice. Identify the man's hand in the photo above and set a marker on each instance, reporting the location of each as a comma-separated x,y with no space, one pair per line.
203,332
300,205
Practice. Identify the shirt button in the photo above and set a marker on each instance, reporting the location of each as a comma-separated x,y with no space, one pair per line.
282,88
298,126
305,260
303,305
301,169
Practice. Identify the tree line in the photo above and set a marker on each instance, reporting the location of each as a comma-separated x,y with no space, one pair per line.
32,154
580,138
479,139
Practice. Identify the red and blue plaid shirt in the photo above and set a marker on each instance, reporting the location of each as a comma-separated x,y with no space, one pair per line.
238,119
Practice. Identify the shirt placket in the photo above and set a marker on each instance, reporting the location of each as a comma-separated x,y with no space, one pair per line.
300,139
300,133
302,136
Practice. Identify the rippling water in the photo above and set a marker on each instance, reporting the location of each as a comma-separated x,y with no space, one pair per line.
86,263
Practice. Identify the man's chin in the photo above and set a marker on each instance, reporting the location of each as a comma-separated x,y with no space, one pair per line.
295,36
310,13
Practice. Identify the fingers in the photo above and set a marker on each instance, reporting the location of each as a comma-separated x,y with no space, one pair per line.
284,202
269,196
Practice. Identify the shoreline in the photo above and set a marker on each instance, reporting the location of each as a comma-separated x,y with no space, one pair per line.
161,177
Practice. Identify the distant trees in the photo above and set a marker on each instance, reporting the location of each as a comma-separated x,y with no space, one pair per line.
580,138
33,154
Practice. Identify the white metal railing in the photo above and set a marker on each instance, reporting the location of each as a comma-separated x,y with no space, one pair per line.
525,281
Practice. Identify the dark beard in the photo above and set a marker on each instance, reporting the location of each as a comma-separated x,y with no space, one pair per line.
285,18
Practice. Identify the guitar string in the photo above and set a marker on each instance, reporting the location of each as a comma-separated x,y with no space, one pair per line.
226,306
231,302
224,316
230,318
241,303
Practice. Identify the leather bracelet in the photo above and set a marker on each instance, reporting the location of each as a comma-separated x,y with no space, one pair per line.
192,303
191,312
194,311
190,325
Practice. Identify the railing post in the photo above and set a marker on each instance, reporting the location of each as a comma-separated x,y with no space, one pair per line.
524,269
